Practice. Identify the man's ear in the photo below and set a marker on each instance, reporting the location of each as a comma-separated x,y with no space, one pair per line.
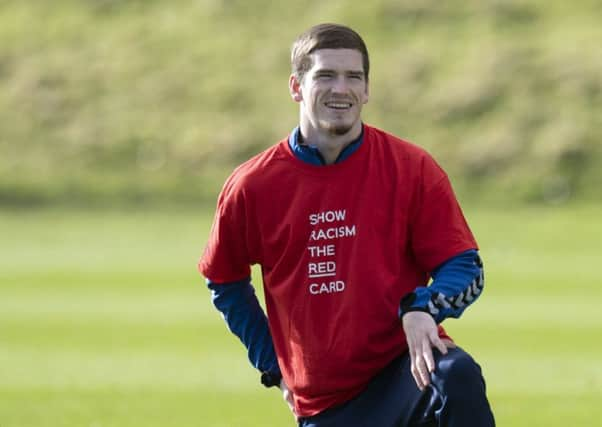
294,86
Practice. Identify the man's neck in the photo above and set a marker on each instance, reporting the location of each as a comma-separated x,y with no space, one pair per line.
329,146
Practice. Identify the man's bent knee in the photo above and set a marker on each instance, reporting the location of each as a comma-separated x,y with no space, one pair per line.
458,370
460,384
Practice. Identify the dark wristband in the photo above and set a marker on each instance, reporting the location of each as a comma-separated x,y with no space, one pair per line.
405,305
271,379
406,302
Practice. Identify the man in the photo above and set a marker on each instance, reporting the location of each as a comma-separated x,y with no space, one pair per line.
348,224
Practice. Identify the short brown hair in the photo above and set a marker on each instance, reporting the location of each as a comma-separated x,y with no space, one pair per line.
325,36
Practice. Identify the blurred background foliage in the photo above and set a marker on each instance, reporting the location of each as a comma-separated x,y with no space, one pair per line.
107,102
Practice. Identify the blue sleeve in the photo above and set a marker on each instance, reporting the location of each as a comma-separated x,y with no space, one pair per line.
244,316
456,284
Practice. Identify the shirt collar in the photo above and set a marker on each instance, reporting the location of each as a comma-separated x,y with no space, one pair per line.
310,154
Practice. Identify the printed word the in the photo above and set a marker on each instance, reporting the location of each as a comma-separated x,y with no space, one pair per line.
326,250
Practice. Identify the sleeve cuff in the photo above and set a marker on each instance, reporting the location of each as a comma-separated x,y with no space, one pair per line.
415,301
271,379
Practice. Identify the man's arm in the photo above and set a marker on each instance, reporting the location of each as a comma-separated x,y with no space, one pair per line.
456,284
244,316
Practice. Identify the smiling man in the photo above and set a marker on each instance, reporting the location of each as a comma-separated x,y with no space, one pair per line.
364,251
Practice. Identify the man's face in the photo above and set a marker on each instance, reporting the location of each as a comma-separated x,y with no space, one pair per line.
332,92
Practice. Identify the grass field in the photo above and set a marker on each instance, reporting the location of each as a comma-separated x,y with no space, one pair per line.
104,322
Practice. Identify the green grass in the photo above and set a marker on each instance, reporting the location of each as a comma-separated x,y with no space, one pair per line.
104,322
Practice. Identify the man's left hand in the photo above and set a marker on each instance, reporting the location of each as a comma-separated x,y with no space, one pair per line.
422,335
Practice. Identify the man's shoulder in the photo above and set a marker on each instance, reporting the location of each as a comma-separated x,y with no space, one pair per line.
256,167
400,146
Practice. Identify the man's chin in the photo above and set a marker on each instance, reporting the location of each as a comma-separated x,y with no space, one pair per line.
337,129
340,130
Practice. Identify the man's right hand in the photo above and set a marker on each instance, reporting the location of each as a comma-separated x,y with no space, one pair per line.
288,397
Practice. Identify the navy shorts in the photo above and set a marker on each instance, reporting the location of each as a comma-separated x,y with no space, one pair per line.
455,398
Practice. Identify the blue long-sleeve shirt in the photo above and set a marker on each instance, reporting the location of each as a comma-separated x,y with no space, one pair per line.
456,284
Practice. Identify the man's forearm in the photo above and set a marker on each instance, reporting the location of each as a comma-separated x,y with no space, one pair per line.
457,283
241,310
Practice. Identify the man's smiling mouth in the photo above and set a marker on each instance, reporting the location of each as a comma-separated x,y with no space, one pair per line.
338,105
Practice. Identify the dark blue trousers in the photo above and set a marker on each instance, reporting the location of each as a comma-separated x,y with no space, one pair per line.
455,398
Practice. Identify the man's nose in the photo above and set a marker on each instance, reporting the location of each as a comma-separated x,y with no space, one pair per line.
340,85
